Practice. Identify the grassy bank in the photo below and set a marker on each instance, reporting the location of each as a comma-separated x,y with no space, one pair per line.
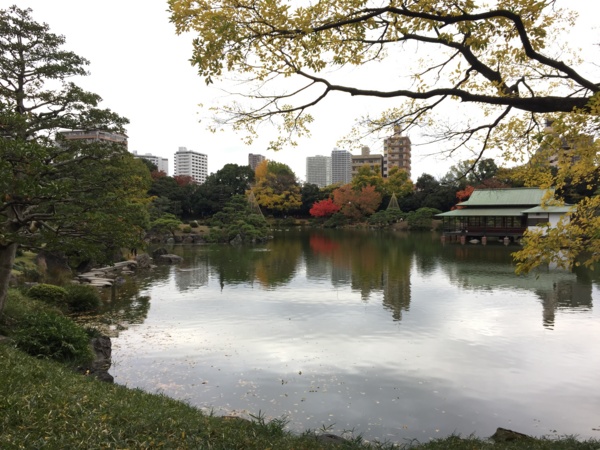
46,404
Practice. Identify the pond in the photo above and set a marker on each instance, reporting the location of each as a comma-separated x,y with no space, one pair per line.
390,336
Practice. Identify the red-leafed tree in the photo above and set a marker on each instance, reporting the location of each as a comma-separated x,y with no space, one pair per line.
357,204
183,180
156,174
324,208
464,195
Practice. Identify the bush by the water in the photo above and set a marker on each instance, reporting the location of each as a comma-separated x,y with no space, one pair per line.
82,297
386,217
49,334
422,218
49,293
336,220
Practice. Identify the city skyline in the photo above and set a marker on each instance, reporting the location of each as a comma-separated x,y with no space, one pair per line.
141,69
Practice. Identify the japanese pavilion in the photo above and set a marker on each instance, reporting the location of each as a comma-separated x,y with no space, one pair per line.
495,213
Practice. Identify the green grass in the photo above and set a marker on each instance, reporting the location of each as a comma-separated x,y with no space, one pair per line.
45,404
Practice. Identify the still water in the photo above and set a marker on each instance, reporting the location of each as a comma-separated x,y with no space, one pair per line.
391,336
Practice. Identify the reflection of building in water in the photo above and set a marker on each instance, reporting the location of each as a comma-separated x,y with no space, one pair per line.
396,291
341,275
317,267
565,294
557,289
188,278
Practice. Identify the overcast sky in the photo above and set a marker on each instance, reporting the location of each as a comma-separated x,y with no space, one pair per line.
142,71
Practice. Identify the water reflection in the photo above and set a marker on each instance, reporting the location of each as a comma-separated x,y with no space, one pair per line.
394,335
378,266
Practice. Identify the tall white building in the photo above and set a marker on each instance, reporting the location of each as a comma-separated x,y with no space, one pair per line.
191,163
162,164
341,166
318,170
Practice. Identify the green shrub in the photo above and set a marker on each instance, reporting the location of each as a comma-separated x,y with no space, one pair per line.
32,274
194,224
82,297
53,295
422,218
51,335
187,229
336,220
386,217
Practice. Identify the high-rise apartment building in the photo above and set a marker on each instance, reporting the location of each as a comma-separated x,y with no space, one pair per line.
318,170
341,166
162,164
254,160
94,136
191,163
396,152
375,162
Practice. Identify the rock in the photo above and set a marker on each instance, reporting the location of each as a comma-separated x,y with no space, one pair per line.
170,258
159,251
102,347
505,435
143,261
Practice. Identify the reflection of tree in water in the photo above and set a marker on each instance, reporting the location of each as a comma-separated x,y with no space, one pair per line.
272,264
278,265
370,262
232,264
121,306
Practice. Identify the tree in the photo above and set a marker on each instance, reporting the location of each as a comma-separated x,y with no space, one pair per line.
183,180
221,186
85,199
238,219
500,63
324,208
398,182
464,194
367,177
166,193
311,194
474,172
276,188
357,205
167,223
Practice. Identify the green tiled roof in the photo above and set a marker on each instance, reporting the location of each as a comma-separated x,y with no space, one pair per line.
475,212
551,209
505,197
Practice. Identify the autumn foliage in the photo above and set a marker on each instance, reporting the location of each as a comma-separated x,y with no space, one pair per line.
463,195
324,208
357,204
183,180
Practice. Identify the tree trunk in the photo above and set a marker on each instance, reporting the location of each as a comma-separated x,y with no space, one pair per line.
7,258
